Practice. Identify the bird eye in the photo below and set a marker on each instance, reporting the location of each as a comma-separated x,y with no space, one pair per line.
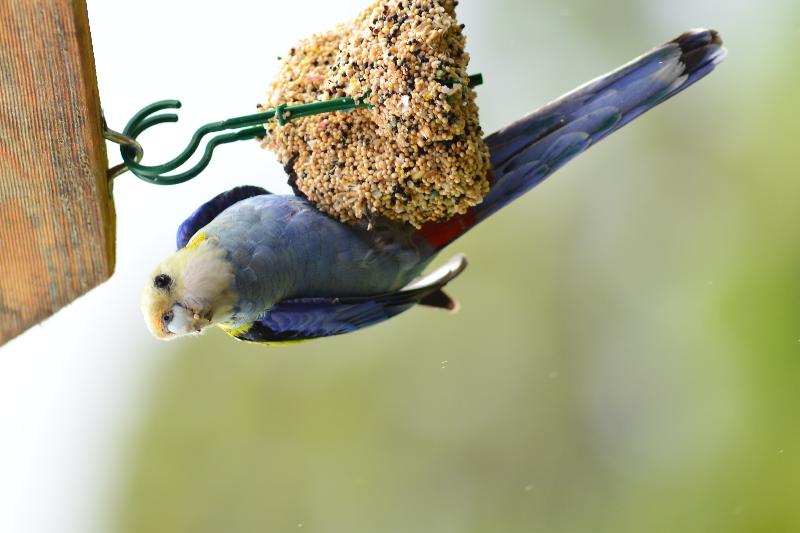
162,281
166,318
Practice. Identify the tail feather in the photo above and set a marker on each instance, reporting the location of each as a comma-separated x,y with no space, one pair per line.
528,151
439,300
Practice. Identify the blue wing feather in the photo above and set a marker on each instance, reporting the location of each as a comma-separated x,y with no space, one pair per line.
309,318
209,211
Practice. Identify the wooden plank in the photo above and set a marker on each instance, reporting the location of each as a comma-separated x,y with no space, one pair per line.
56,210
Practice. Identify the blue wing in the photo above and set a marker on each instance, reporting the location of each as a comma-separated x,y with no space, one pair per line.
209,211
310,318
526,152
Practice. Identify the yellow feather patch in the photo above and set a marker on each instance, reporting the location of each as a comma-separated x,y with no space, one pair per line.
196,241
236,332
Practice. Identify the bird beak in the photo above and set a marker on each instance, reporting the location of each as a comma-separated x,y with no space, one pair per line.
201,319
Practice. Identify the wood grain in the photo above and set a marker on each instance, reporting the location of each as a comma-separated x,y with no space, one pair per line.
56,211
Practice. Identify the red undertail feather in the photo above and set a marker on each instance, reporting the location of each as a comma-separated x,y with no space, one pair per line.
439,234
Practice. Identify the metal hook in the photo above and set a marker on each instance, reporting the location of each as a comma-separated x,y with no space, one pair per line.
146,119
133,147
247,127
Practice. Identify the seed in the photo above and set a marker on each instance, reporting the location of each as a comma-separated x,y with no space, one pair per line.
412,158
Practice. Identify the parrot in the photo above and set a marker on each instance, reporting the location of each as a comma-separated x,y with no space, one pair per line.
272,268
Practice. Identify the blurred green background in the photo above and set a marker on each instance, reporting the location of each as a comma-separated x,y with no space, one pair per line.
626,356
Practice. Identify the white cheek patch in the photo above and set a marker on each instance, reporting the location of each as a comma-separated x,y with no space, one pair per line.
181,323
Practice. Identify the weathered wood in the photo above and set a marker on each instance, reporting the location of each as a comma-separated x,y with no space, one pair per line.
56,211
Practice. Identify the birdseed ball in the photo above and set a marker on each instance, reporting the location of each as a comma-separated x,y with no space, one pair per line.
418,154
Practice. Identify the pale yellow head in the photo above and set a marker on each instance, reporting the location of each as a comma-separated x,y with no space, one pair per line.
190,291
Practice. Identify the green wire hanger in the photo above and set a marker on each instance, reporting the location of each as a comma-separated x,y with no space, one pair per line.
247,127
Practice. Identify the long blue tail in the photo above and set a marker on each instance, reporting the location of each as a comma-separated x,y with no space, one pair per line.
528,151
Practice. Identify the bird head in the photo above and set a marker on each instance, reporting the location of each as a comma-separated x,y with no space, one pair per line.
190,291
